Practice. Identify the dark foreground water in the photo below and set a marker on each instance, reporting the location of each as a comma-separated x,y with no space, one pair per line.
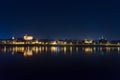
59,63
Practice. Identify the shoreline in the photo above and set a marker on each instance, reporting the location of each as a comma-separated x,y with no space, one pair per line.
86,45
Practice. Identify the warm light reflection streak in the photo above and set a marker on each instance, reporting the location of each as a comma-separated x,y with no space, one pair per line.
30,51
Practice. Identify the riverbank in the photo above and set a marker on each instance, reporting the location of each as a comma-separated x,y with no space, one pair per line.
84,45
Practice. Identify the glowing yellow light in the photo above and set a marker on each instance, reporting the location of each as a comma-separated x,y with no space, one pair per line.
71,49
70,43
65,49
88,41
54,42
65,42
26,37
28,53
88,50
118,49
40,49
53,49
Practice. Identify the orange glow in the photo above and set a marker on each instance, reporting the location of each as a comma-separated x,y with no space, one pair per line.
28,53
88,50
26,37
88,41
53,49
54,43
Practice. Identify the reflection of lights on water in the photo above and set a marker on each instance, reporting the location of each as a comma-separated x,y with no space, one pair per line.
108,49
46,49
70,49
42,48
64,49
4,49
76,49
58,49
118,49
36,49
28,53
20,49
101,50
53,49
88,50
94,49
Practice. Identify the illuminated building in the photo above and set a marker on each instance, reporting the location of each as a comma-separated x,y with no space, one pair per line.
29,40
88,41
88,50
53,42
26,37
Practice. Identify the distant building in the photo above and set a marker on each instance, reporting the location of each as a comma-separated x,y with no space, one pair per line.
26,37
102,40
88,41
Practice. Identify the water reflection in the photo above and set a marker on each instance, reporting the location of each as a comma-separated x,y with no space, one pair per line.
88,50
30,51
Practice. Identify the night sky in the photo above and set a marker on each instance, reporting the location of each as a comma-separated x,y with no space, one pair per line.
60,19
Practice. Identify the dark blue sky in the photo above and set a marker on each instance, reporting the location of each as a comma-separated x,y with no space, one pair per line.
76,19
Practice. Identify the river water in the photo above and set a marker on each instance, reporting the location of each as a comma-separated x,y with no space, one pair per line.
88,63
